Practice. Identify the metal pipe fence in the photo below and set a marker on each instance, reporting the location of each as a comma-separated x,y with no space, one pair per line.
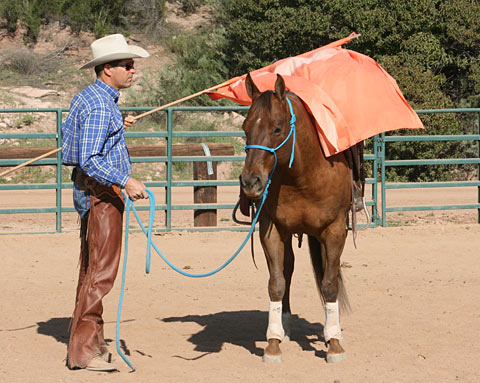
377,158
385,163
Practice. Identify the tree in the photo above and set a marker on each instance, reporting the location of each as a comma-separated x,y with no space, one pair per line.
431,47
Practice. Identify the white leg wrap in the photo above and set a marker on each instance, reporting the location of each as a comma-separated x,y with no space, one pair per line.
287,326
332,327
275,328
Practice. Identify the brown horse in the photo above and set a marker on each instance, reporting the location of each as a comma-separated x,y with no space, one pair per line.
310,195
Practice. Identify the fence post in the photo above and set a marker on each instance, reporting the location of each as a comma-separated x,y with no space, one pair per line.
204,194
376,144
168,191
59,172
383,178
478,169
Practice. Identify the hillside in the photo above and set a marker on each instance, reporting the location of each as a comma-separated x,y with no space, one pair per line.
45,75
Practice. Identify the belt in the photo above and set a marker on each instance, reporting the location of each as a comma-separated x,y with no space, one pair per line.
94,187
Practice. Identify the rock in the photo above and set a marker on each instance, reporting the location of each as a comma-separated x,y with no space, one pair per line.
35,92
237,118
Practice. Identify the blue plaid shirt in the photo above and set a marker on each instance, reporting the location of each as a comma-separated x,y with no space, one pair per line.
94,136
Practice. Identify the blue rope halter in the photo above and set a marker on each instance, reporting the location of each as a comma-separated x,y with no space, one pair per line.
293,119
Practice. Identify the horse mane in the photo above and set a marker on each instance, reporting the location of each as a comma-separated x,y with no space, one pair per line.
264,100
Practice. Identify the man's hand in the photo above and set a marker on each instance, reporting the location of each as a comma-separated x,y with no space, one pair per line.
128,121
135,189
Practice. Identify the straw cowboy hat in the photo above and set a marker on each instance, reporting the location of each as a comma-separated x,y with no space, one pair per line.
112,48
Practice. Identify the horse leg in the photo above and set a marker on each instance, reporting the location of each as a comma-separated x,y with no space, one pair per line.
326,261
333,242
288,266
273,246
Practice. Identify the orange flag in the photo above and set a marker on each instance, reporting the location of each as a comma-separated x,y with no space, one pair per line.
350,95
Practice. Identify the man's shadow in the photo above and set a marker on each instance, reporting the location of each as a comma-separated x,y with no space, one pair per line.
244,328
56,328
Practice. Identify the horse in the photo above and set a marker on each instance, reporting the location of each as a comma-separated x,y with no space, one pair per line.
308,193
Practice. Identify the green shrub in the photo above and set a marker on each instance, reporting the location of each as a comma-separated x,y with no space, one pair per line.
22,61
10,10
31,19
98,16
198,66
190,6
26,62
146,15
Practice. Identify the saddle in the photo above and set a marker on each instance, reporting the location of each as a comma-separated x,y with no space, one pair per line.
354,156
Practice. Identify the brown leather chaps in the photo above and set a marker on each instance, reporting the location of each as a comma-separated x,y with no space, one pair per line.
101,245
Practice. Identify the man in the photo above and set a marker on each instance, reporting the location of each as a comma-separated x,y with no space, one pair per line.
94,142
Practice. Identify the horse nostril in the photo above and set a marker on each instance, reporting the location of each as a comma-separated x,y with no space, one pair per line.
249,180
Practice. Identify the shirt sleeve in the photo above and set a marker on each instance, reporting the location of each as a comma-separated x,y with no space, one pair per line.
93,134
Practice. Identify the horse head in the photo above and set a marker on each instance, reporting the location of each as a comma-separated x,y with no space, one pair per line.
268,130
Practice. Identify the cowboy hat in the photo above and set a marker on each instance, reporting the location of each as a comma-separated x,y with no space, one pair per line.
112,48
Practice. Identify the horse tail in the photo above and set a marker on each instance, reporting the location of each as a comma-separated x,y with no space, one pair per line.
318,264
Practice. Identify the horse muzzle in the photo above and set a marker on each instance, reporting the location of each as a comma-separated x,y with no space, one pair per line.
253,185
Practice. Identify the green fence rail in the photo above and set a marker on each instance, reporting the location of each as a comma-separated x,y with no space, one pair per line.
377,179
385,163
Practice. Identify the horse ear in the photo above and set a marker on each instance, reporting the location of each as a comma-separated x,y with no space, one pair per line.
252,89
280,88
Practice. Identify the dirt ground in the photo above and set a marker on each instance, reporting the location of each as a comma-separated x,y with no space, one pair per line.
413,291
413,287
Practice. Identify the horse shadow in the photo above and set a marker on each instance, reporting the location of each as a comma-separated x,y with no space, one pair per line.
244,329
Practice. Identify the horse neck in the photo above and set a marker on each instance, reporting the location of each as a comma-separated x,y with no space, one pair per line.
308,152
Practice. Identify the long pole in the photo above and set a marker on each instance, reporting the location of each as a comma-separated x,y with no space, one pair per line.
30,161
136,118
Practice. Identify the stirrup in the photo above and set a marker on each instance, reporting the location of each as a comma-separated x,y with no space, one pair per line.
358,203
365,211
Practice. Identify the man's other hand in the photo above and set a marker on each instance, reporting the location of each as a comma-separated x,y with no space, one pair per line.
128,121
135,189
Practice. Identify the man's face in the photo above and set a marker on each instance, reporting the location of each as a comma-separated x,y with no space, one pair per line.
122,74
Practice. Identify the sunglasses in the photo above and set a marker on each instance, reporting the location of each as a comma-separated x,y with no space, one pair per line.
127,66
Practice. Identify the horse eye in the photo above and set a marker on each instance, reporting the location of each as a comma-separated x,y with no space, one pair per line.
277,130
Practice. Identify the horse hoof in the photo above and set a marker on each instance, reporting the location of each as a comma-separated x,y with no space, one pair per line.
336,358
266,358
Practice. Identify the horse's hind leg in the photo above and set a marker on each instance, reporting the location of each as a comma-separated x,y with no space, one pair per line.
326,262
288,265
278,286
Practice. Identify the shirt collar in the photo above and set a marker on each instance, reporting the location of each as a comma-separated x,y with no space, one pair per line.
115,94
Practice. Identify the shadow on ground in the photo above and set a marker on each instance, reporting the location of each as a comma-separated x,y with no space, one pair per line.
56,328
245,328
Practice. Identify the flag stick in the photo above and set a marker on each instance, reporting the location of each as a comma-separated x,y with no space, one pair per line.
135,118
29,162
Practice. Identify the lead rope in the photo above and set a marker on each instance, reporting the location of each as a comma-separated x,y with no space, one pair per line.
150,243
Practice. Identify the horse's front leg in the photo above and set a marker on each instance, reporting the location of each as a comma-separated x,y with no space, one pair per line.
333,242
274,245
